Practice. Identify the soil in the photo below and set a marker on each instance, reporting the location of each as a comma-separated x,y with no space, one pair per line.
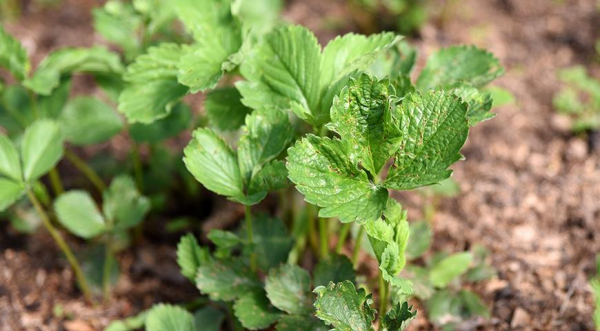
530,190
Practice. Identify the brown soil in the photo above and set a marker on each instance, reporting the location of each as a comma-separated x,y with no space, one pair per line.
530,189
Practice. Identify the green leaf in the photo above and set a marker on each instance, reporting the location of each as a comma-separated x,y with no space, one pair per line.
501,96
208,319
480,103
224,239
457,64
177,121
77,211
419,240
13,55
419,277
272,242
123,203
93,259
42,148
118,23
153,89
337,268
324,171
10,162
53,105
361,114
473,304
214,164
344,307
300,323
163,317
226,280
254,311
272,177
285,69
258,15
398,318
218,36
225,109
190,256
87,121
129,324
95,60
266,133
288,288
445,271
10,192
434,129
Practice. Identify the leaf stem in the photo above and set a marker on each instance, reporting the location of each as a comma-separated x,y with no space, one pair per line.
312,231
56,182
106,271
383,296
137,166
84,168
323,237
248,212
357,245
342,238
63,246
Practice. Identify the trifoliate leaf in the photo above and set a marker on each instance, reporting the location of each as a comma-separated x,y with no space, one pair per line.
13,55
153,89
214,164
217,34
344,307
254,311
124,206
10,192
398,318
266,133
226,280
177,121
288,288
163,317
225,109
42,148
328,176
87,121
286,68
419,240
190,256
95,60
300,323
10,162
467,64
445,271
336,268
361,114
208,319
434,129
272,242
77,211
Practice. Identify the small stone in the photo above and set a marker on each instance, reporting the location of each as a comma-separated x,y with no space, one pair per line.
77,325
520,318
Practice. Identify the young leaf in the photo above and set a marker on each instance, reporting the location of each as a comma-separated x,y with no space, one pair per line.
272,242
480,103
77,211
225,109
452,65
300,323
10,162
42,148
190,256
224,239
272,177
337,268
87,121
434,128
123,205
13,55
324,171
178,120
208,319
163,317
153,89
95,60
10,191
218,36
344,307
288,288
214,164
449,268
254,311
419,240
398,318
226,280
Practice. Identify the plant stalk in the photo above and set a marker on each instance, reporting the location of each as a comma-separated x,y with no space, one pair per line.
63,246
312,231
357,245
56,182
383,296
323,237
137,166
84,168
248,212
342,238
106,271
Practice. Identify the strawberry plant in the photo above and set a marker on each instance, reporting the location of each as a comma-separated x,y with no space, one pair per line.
579,100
